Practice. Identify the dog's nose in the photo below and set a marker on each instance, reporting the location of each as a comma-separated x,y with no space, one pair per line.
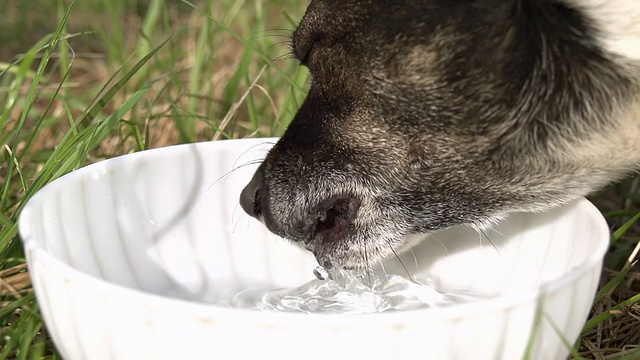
252,197
330,221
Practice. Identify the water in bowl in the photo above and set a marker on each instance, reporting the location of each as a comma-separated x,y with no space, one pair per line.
346,292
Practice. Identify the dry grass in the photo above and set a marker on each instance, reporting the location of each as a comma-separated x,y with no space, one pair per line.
15,281
621,332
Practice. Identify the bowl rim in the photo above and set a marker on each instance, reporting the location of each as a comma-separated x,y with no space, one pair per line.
405,318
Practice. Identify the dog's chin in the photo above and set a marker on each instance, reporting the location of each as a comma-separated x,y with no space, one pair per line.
358,251
370,247
353,260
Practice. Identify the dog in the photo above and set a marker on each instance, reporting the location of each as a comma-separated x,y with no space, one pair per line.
422,115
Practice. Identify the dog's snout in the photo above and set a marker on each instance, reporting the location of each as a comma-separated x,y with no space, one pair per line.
335,217
251,198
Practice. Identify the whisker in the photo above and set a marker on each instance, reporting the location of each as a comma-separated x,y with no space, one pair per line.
265,36
288,31
252,162
441,243
491,242
235,167
366,265
498,232
277,43
400,261
285,56
235,226
251,148
384,271
415,258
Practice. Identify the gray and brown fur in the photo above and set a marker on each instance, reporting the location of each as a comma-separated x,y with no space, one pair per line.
428,114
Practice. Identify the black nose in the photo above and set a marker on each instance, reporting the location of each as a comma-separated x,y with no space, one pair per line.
331,221
251,198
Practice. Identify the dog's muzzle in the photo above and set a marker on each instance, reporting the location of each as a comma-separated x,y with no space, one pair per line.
329,221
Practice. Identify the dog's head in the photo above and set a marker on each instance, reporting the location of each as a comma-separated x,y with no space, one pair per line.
427,114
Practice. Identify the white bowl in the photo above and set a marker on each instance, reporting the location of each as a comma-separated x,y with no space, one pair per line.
129,255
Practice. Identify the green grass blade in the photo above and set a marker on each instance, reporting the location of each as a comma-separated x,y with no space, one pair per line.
232,86
594,321
22,332
615,281
537,322
619,213
107,126
10,68
86,120
188,132
21,72
135,132
31,97
36,128
63,47
150,22
8,309
572,350
6,236
28,331
246,44
284,14
68,155
624,228
17,167
5,221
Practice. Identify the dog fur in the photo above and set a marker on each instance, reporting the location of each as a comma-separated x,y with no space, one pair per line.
423,115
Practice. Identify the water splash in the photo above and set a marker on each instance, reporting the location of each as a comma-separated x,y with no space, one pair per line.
345,292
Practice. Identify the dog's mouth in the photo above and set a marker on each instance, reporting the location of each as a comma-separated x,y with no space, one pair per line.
335,224
335,218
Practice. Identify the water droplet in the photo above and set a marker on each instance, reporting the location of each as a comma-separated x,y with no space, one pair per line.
320,273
